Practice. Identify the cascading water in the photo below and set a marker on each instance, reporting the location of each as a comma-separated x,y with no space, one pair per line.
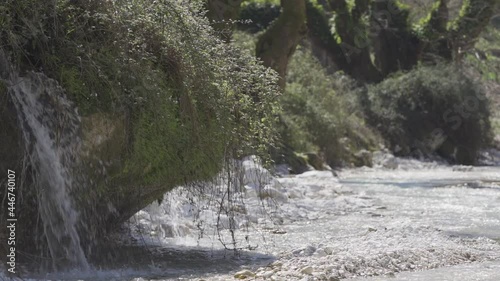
50,127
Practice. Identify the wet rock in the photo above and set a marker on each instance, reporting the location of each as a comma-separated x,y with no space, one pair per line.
265,274
244,274
282,169
297,163
328,250
315,161
385,160
293,194
273,193
320,253
279,231
390,162
307,270
462,168
363,158
254,174
173,230
276,264
250,191
307,251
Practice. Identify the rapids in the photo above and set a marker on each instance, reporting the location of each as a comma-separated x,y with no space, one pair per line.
401,220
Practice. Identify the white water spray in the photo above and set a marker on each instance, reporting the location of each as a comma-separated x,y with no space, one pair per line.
50,129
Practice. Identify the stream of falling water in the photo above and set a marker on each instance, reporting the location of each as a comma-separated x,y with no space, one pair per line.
50,127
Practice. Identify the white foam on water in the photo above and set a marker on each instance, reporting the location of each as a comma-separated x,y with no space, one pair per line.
413,216
416,221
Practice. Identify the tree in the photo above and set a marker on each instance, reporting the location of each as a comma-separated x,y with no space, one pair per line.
381,29
221,14
278,43
370,39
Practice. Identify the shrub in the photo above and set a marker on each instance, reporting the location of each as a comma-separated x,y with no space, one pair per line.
431,110
188,98
484,60
318,116
183,103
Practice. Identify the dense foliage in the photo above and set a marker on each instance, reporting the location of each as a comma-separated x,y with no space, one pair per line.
432,110
320,115
157,64
373,41
172,100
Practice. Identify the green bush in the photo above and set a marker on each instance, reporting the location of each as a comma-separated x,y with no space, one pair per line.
318,116
181,102
485,60
431,110
188,97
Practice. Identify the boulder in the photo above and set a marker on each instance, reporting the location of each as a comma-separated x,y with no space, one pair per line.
244,274
363,158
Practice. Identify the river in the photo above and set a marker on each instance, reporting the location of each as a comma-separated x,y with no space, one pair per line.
401,220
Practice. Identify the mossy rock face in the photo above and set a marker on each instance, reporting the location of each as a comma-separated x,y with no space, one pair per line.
104,137
160,105
104,150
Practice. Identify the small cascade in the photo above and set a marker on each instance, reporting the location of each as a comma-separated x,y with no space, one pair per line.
50,126
211,210
170,218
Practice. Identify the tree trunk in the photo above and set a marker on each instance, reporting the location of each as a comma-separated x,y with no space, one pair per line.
349,46
435,39
278,43
394,44
474,17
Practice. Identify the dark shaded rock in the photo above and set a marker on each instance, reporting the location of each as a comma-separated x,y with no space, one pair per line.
297,163
363,158
4,66
315,161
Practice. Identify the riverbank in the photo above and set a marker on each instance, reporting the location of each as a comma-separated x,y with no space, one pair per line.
402,219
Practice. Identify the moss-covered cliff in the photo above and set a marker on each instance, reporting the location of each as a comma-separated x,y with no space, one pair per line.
162,101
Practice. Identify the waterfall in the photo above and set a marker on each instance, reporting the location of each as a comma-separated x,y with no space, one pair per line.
50,126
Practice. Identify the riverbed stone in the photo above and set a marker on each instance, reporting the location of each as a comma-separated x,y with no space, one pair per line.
244,274
320,253
307,270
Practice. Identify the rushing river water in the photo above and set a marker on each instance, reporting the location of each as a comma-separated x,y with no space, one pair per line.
402,220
